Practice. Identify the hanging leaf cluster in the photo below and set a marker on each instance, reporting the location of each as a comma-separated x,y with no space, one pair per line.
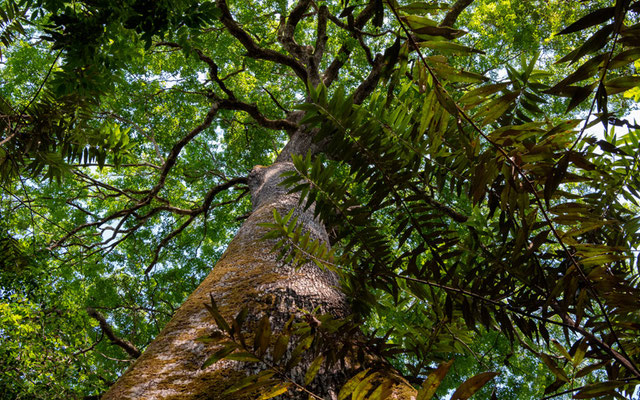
486,212
51,133
318,343
604,58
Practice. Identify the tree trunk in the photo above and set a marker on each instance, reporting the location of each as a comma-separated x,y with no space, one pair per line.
247,274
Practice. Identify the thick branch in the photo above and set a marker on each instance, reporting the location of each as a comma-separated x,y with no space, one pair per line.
172,158
288,29
369,84
255,51
126,345
455,12
331,73
252,110
321,34
213,73
231,103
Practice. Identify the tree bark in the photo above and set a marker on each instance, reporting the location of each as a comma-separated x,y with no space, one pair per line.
247,274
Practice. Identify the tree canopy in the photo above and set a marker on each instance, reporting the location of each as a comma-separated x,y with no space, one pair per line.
473,163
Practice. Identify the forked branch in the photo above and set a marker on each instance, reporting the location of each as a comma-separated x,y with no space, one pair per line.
255,51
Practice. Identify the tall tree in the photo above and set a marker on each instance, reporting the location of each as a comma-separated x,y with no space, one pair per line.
458,200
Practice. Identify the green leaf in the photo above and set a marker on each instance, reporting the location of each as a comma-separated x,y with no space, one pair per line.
557,371
479,94
220,354
280,347
251,383
433,381
580,95
262,336
276,391
621,84
594,18
493,110
313,369
590,368
220,321
447,46
242,356
598,389
445,100
581,351
418,22
472,385
348,388
440,31
364,387
593,44
554,178
585,71
624,58
561,350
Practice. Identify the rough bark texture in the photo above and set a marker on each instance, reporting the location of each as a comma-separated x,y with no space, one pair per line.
247,274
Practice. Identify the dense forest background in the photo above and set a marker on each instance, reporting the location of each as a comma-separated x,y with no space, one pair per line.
475,167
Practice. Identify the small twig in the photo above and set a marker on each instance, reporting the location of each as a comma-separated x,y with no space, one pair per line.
204,208
275,100
53,64
603,75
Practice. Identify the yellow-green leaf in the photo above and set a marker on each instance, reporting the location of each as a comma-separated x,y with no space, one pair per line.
551,364
472,385
363,388
561,350
598,389
220,354
313,369
276,391
351,384
431,384
580,352
242,356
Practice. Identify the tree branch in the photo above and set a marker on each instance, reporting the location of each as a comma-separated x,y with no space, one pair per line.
287,30
252,110
255,51
454,12
213,73
369,84
170,161
321,35
126,345
331,73
280,106
204,208
231,103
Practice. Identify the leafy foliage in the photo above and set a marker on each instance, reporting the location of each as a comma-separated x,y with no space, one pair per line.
471,211
562,248
329,343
